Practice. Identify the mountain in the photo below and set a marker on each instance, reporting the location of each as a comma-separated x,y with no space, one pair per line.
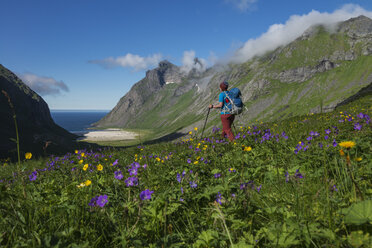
37,131
322,68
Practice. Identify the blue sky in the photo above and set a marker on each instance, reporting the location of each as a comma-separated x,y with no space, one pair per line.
86,54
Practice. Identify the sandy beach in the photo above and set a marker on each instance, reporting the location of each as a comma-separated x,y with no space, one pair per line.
111,134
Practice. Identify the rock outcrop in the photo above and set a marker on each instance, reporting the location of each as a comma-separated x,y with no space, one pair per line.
37,130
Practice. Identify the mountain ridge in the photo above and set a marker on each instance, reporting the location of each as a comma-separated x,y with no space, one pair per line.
313,73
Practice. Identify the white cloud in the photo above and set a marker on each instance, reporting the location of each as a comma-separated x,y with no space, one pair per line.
189,62
43,85
282,34
131,61
242,5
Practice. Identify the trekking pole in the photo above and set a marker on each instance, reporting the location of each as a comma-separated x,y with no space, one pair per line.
205,123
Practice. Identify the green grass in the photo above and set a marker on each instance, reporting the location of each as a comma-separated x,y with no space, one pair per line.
259,191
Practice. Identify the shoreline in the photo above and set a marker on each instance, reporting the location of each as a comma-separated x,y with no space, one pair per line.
110,134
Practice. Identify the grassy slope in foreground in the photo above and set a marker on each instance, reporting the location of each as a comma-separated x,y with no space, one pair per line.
268,188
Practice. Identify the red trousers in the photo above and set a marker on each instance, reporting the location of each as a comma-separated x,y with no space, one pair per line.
227,121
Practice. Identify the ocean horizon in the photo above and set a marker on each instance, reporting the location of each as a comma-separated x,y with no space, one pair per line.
75,120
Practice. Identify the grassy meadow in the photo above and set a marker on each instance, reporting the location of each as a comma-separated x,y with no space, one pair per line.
305,181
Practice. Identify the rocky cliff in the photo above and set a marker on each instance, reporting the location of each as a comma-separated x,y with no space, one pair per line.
35,124
314,73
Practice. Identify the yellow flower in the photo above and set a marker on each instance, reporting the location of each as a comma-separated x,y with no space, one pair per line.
342,153
196,129
88,182
80,185
81,161
162,161
83,154
158,159
190,132
99,167
76,151
347,144
28,155
248,149
196,162
359,159
85,167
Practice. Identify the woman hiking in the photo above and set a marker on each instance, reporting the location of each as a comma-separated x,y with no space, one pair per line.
227,118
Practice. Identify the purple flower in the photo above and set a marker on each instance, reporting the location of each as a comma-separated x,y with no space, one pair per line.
179,178
193,184
182,190
286,177
334,188
309,138
298,175
326,137
146,194
131,181
133,171
189,161
217,175
259,188
115,162
327,131
33,176
357,126
118,175
93,201
144,166
101,200
334,143
219,198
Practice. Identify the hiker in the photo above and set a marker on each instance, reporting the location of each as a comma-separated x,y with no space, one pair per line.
227,118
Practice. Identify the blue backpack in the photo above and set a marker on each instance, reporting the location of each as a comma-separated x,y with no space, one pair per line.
234,103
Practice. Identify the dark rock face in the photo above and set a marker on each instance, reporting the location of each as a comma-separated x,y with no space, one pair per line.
35,124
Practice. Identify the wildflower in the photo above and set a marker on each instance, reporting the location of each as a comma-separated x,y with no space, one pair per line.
115,162
118,175
83,154
131,181
219,198
33,176
217,175
248,149
342,153
190,132
358,159
179,178
259,188
334,143
146,194
81,161
133,171
357,126
28,155
196,162
93,201
196,129
87,182
298,175
326,137
286,177
101,201
327,131
347,144
232,170
193,184
85,167
99,167
76,151
334,188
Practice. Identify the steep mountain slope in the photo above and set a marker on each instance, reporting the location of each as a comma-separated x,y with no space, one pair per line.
312,74
35,124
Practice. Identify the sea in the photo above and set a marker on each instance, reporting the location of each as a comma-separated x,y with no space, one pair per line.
77,121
